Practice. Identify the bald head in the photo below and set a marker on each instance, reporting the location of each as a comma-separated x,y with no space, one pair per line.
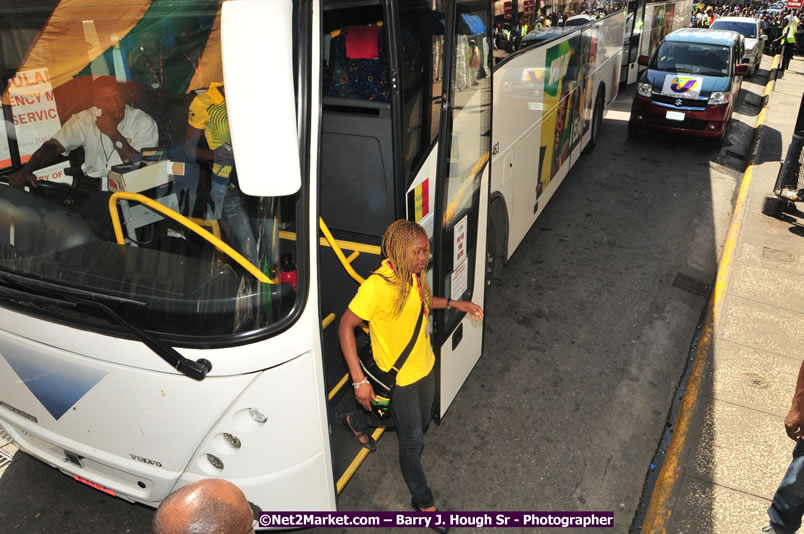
210,506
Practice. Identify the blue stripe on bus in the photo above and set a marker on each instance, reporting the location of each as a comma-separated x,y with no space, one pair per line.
55,383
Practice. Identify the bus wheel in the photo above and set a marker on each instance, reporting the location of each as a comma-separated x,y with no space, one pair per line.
597,121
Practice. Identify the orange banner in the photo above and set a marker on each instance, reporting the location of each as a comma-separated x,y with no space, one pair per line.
76,40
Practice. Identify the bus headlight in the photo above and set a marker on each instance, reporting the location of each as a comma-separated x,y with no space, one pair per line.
644,89
215,462
258,415
232,441
719,97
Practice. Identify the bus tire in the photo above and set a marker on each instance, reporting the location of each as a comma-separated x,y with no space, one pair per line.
597,121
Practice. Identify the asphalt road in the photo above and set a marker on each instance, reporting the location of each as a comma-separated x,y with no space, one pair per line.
586,339
587,336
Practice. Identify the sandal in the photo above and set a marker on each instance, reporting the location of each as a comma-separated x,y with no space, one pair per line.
369,444
442,529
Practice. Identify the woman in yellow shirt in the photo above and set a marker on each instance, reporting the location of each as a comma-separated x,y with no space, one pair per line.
391,300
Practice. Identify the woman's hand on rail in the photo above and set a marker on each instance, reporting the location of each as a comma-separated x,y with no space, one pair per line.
475,311
364,395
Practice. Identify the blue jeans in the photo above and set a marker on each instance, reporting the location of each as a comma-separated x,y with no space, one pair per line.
411,409
788,502
230,210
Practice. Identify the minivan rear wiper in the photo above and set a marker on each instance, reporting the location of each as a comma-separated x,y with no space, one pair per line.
196,369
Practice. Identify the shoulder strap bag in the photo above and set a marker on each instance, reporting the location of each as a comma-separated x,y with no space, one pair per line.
384,382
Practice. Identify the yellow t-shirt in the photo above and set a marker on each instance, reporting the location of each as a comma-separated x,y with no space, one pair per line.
390,334
208,113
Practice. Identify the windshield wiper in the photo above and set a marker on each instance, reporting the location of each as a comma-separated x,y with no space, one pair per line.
41,285
196,369
22,297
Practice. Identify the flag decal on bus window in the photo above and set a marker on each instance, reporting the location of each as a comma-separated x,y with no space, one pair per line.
55,383
419,200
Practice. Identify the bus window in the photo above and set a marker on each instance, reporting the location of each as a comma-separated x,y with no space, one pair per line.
5,152
128,97
469,150
420,25
356,123
355,54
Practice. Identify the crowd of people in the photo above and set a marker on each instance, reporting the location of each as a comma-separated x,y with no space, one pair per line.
508,36
780,24
773,19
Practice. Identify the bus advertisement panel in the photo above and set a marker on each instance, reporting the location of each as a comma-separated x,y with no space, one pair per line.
646,26
661,20
545,97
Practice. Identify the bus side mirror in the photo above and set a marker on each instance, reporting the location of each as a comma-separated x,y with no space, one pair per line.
260,98
643,60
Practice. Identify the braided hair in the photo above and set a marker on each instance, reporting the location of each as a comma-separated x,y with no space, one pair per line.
397,244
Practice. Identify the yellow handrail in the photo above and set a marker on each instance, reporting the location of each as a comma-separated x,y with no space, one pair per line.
338,252
352,469
184,221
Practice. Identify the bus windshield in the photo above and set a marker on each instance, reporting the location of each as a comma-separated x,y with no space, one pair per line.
128,97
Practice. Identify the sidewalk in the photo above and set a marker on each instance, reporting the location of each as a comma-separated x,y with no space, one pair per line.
737,451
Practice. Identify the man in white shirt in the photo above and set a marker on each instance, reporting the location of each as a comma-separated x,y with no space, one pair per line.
111,133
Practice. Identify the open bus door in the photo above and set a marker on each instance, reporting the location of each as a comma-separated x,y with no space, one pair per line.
462,189
635,22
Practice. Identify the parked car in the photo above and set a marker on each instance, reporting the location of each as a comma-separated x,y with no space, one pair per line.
690,84
578,20
755,40
542,34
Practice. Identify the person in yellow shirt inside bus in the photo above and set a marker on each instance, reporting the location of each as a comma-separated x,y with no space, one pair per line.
208,118
396,301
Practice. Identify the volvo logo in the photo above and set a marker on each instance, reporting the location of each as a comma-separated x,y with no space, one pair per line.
678,102
145,460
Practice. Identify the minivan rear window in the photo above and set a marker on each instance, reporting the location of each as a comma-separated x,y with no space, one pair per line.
692,58
748,29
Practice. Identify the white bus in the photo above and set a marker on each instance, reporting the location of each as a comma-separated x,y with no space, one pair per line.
142,354
647,23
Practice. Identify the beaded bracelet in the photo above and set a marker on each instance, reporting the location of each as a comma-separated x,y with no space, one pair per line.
358,384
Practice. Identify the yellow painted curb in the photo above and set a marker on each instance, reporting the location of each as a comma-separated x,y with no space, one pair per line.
660,508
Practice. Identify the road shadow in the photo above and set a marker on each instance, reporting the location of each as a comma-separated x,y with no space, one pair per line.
748,102
771,146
